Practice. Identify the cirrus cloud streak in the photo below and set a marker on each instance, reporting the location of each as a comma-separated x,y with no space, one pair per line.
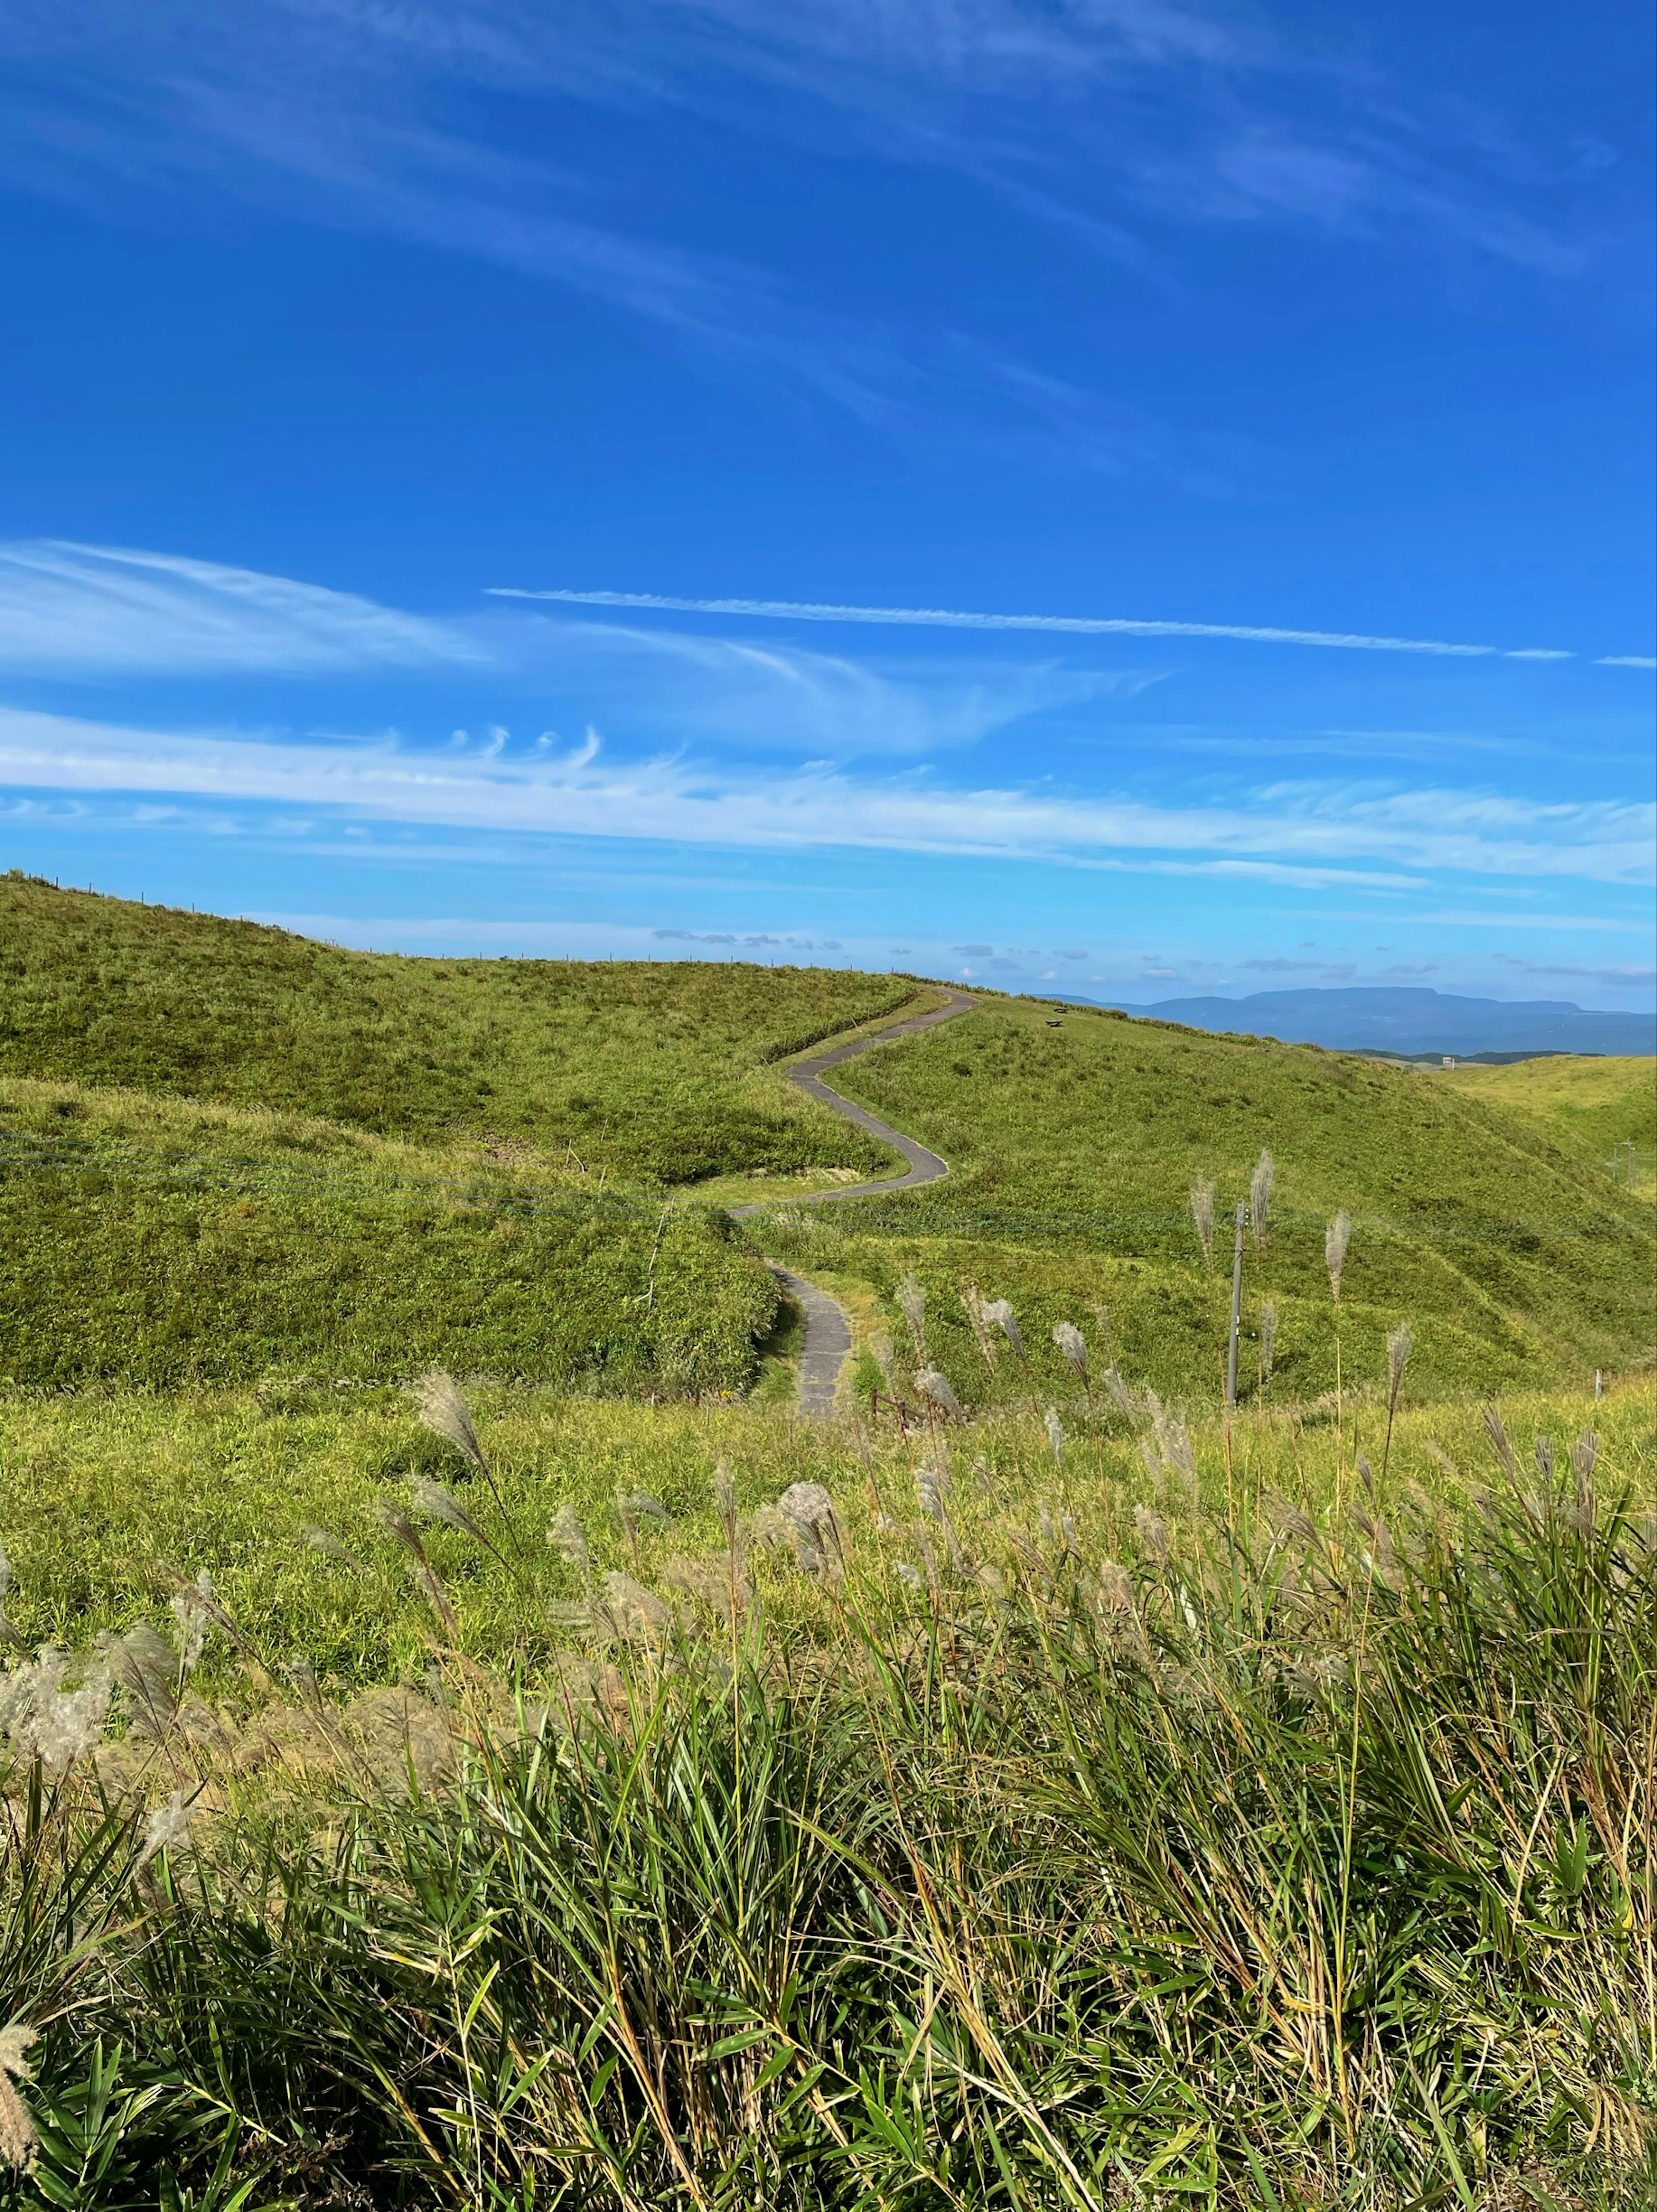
1315,834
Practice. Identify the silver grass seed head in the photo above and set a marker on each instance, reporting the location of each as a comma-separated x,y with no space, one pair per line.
909,1575
1000,1312
164,1827
1268,1335
1498,1438
148,1671
1122,1394
1260,1193
935,1388
395,1521
1055,1429
441,1408
196,1609
1151,1530
808,1504
19,2145
566,1536
972,1300
66,1724
639,1505
635,1614
928,1496
1115,1587
1072,1345
1545,1458
319,1540
1337,1237
1400,1343
1202,1215
724,1493
438,1503
912,1305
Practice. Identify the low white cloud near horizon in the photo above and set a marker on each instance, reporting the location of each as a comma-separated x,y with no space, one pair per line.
1315,834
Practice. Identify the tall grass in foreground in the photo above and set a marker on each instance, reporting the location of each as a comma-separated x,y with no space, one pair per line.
1242,1857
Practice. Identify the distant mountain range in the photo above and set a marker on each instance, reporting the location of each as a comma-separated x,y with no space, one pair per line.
1415,1021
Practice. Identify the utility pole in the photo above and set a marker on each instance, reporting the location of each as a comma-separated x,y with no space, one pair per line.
1236,1308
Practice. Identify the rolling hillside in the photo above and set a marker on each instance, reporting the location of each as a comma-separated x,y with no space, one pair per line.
1076,1141
654,1070
1586,1106
225,1151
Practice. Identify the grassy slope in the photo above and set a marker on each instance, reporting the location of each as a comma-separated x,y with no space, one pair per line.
1121,1822
658,1071
101,1497
301,1083
1491,1231
159,1243
1586,1105
1074,1148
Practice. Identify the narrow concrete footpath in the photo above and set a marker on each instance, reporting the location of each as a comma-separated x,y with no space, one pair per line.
827,1344
827,1325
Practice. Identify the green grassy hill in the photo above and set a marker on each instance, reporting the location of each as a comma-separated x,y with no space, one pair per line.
160,1242
1074,1142
656,1070
1587,1106
225,1151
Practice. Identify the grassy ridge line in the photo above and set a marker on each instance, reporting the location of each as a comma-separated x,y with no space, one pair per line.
1508,1251
660,1072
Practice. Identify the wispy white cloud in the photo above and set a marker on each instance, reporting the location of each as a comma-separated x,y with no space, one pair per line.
1115,120
100,612
731,693
1312,835
84,609
1077,625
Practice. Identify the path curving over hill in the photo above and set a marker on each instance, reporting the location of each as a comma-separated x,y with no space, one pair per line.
923,1166
828,1325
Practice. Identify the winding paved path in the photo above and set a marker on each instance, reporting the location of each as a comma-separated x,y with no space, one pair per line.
828,1325
923,1166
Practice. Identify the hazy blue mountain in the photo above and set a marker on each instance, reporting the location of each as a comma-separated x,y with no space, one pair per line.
1409,1021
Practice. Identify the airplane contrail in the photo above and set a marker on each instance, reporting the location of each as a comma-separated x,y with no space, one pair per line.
1078,625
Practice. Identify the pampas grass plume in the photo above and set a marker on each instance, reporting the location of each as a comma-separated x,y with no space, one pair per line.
1072,1345
911,1303
935,1388
443,1410
1259,1195
1202,1214
19,2143
1336,1238
1268,1337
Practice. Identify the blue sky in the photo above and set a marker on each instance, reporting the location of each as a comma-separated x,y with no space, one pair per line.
1099,493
